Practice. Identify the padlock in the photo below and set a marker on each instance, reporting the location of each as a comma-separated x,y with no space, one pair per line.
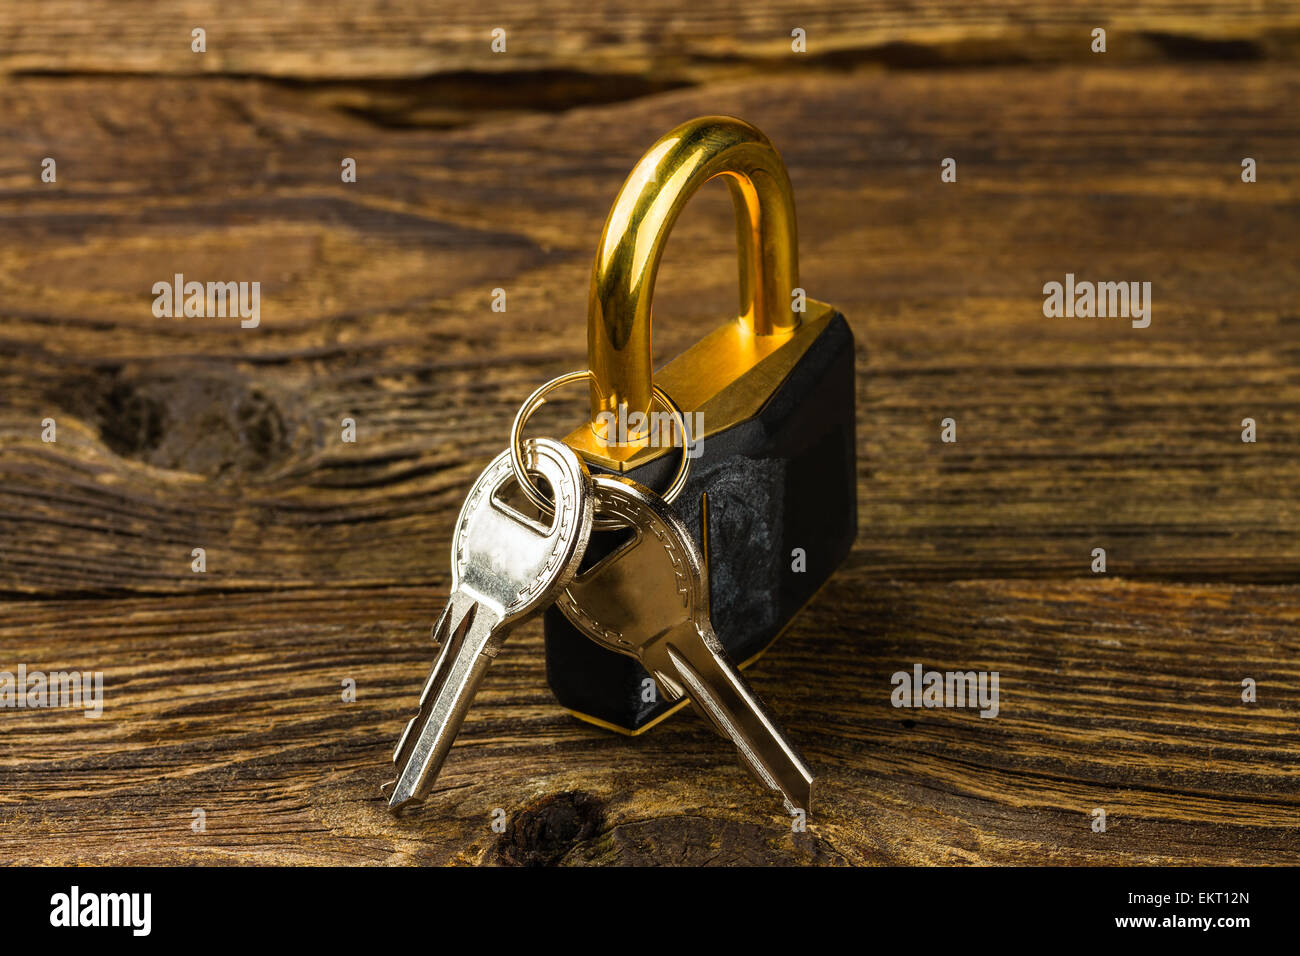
771,496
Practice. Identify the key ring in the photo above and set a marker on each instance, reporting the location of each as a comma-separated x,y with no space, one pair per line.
538,399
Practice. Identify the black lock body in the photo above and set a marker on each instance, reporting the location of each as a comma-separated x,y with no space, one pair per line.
772,503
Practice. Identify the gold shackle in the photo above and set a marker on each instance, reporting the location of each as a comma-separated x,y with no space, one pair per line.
632,242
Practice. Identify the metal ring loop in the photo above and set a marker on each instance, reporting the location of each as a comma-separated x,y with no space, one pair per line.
538,399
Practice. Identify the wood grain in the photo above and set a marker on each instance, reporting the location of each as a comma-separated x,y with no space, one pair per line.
327,560
618,46
1116,695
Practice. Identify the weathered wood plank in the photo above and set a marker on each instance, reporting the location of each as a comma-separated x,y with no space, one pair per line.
618,49
1118,695
1072,434
327,560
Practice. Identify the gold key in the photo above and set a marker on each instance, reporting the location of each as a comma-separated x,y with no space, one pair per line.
650,600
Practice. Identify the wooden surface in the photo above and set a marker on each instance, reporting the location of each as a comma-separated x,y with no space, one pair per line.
327,561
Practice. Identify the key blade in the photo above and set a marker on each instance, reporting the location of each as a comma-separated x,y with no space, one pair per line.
700,665
454,618
471,636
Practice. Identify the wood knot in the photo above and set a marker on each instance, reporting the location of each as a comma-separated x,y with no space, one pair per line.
543,832
206,421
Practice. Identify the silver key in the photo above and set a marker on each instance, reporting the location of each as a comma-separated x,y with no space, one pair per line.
504,567
650,600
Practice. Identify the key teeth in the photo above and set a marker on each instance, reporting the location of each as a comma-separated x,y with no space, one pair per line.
406,732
